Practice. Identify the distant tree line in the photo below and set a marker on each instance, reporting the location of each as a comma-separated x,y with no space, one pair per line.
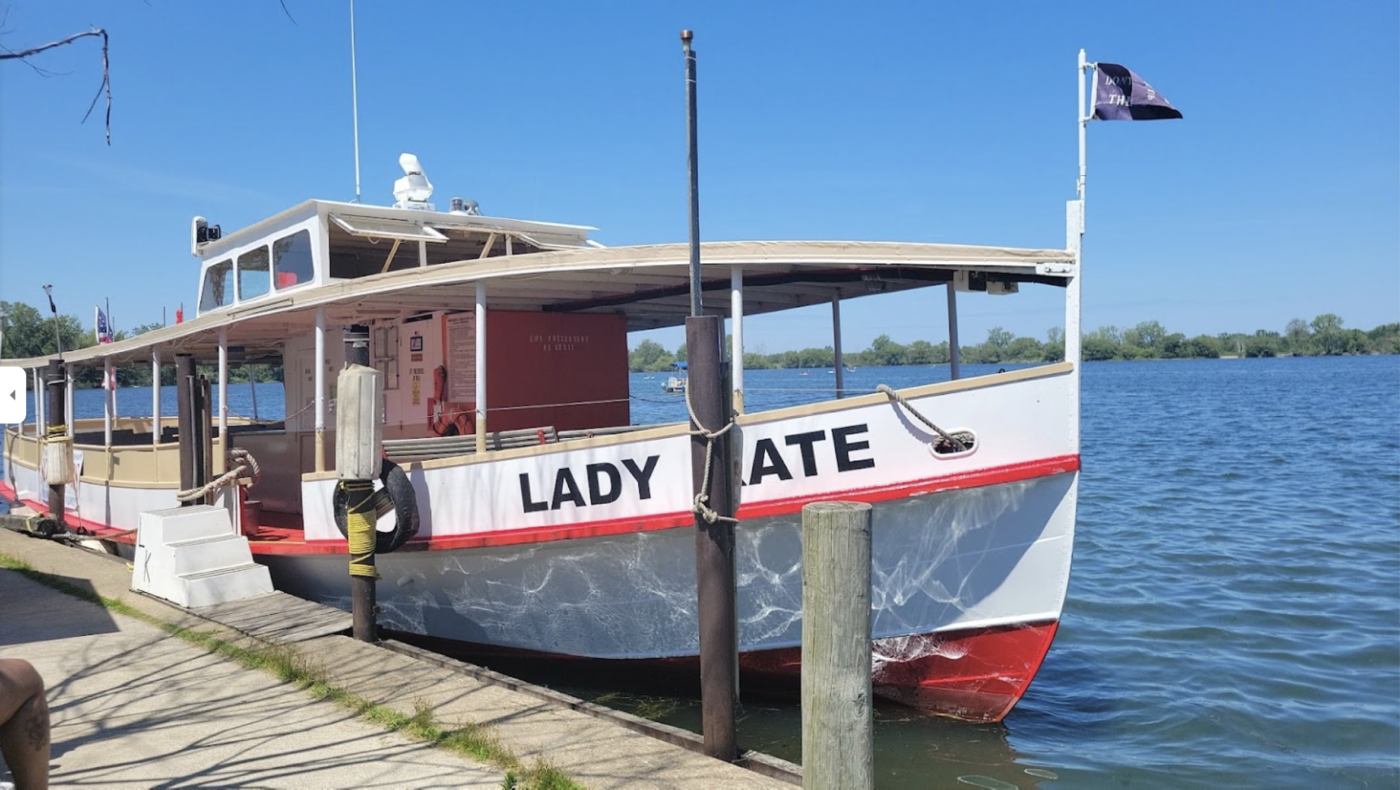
1325,335
29,333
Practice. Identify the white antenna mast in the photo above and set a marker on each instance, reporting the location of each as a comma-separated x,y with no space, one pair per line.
355,100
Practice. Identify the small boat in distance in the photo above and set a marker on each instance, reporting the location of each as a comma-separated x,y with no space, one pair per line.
676,383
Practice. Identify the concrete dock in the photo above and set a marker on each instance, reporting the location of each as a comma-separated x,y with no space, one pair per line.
134,706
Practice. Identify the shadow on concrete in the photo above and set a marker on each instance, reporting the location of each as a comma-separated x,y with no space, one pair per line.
29,617
132,706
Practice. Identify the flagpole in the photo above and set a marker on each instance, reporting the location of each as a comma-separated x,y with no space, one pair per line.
53,309
1083,143
355,101
112,376
1074,231
108,403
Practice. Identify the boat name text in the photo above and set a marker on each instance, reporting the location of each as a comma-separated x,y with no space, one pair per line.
604,483
768,460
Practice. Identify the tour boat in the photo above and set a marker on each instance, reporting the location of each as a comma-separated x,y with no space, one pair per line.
547,522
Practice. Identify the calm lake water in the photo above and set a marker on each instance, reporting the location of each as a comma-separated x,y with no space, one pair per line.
1234,613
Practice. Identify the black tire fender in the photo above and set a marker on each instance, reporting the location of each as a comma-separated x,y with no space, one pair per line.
400,491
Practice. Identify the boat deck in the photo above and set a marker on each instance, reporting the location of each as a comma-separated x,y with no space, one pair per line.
275,526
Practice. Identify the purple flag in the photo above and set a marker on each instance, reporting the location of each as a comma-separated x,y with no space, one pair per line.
1120,95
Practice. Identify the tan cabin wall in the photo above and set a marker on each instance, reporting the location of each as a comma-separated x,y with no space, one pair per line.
135,466
144,465
21,449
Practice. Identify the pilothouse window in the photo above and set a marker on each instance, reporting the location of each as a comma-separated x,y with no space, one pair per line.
252,274
218,286
291,259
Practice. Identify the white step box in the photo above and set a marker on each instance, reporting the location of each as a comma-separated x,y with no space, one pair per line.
192,557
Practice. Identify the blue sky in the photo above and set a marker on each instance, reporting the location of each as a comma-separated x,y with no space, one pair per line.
1277,197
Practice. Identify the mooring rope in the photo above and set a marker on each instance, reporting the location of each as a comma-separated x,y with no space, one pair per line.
701,505
359,527
240,461
35,525
958,444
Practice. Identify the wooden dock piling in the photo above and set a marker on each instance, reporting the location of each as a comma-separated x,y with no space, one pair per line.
57,419
196,443
837,735
362,589
714,542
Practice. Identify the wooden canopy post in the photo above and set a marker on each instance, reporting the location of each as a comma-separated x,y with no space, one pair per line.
840,362
57,431
155,397
192,401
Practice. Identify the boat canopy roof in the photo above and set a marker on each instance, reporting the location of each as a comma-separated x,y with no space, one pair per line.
649,285
388,222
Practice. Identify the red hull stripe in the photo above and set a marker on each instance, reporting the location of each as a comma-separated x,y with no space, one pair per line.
996,475
999,475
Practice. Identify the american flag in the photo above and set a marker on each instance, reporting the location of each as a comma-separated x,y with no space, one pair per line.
104,329
104,335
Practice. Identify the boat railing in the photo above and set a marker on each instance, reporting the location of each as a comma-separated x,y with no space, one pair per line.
428,448
141,465
589,433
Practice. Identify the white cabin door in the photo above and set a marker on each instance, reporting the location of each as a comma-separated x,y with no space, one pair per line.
299,377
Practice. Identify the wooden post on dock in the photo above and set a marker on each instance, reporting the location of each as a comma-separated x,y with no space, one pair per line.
57,431
193,424
184,420
708,398
714,542
837,738
359,493
204,427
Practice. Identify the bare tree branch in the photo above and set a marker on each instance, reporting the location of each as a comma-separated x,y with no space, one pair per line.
41,72
36,50
285,11
106,73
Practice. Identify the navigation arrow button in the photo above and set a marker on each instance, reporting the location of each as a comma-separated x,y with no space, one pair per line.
13,383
